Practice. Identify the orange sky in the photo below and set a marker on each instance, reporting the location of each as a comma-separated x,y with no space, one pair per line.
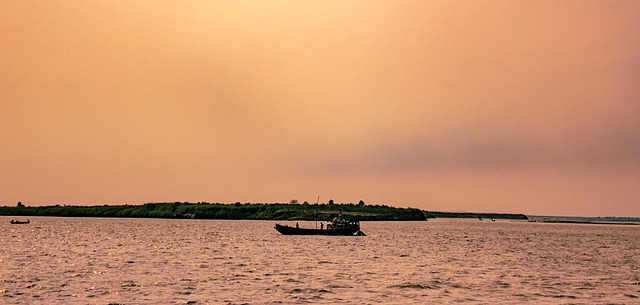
486,106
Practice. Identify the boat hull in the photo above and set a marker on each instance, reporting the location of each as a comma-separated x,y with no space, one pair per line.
346,231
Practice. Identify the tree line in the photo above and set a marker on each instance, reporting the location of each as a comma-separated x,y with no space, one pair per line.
205,210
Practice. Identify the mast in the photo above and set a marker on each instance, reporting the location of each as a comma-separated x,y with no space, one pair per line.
317,200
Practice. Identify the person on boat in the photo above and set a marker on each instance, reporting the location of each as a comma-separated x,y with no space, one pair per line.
297,226
321,226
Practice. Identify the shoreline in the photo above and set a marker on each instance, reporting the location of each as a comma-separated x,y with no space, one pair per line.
234,211
248,211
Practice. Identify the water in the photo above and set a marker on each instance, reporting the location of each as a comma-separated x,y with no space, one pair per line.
154,261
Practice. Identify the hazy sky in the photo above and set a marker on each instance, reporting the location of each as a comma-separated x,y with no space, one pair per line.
485,106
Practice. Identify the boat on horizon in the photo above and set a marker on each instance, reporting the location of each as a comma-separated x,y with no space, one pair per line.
19,222
339,226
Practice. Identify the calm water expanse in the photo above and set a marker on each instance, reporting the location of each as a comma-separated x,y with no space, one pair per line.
155,261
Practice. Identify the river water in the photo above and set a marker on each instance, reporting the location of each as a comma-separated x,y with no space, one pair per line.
157,261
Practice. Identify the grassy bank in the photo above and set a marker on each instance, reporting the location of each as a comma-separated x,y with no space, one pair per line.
256,211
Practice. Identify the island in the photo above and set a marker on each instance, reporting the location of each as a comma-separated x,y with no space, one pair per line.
206,210
247,211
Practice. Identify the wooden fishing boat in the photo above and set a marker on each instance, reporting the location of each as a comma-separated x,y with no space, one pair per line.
339,226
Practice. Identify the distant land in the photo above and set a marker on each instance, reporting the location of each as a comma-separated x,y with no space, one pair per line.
434,214
248,211
586,220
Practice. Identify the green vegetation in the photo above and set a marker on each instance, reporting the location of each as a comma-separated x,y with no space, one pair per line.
432,214
204,210
256,211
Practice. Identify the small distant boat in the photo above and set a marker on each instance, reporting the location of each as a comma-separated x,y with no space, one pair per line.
19,222
339,226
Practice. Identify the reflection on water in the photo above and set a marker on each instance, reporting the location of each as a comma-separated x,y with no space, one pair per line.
134,261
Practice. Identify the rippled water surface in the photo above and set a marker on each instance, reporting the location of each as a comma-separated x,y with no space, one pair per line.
154,261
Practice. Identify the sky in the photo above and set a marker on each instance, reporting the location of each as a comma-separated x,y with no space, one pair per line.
482,106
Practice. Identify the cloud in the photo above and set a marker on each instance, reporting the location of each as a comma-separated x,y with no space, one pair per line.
479,149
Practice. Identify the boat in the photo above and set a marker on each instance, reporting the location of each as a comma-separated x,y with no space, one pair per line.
18,222
339,226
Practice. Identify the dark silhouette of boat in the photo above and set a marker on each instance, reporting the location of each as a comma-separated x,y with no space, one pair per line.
339,226
18,222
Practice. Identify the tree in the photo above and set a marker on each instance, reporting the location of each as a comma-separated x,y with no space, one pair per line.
293,201
361,203
20,205
331,201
